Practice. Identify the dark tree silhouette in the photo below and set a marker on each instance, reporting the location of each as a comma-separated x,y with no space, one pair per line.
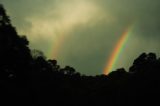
27,78
36,53
15,54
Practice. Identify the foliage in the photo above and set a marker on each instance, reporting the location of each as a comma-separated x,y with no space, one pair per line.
28,79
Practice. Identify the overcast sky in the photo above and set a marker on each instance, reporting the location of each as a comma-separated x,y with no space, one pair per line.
83,33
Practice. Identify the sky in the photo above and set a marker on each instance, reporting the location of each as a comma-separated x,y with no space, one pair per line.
84,33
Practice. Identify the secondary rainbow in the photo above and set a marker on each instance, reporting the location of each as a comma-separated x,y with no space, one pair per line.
54,50
117,50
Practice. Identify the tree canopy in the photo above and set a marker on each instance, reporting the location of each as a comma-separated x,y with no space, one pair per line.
27,78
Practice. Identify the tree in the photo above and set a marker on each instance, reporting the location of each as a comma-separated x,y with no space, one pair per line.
15,53
4,19
37,53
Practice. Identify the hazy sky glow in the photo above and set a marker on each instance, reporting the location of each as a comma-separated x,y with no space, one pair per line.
83,33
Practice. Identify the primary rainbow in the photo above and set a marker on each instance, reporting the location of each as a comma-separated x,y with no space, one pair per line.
117,50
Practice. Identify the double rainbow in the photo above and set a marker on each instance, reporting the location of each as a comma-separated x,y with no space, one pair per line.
110,65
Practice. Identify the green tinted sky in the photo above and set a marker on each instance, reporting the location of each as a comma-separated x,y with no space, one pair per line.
86,31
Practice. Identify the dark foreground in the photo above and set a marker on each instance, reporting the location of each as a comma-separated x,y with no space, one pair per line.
28,79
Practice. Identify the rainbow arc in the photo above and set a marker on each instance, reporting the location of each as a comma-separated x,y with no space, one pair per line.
117,50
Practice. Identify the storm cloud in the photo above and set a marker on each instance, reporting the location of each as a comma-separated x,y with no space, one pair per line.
86,31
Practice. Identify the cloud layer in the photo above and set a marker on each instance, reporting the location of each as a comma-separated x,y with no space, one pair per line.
83,33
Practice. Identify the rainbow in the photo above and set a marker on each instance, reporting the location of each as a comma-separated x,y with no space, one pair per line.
117,50
58,46
53,52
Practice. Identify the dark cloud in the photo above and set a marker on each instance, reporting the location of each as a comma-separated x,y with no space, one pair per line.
93,32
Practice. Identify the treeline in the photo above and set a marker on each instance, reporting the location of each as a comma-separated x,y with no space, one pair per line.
28,79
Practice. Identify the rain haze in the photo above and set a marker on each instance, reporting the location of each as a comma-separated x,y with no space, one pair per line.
84,33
